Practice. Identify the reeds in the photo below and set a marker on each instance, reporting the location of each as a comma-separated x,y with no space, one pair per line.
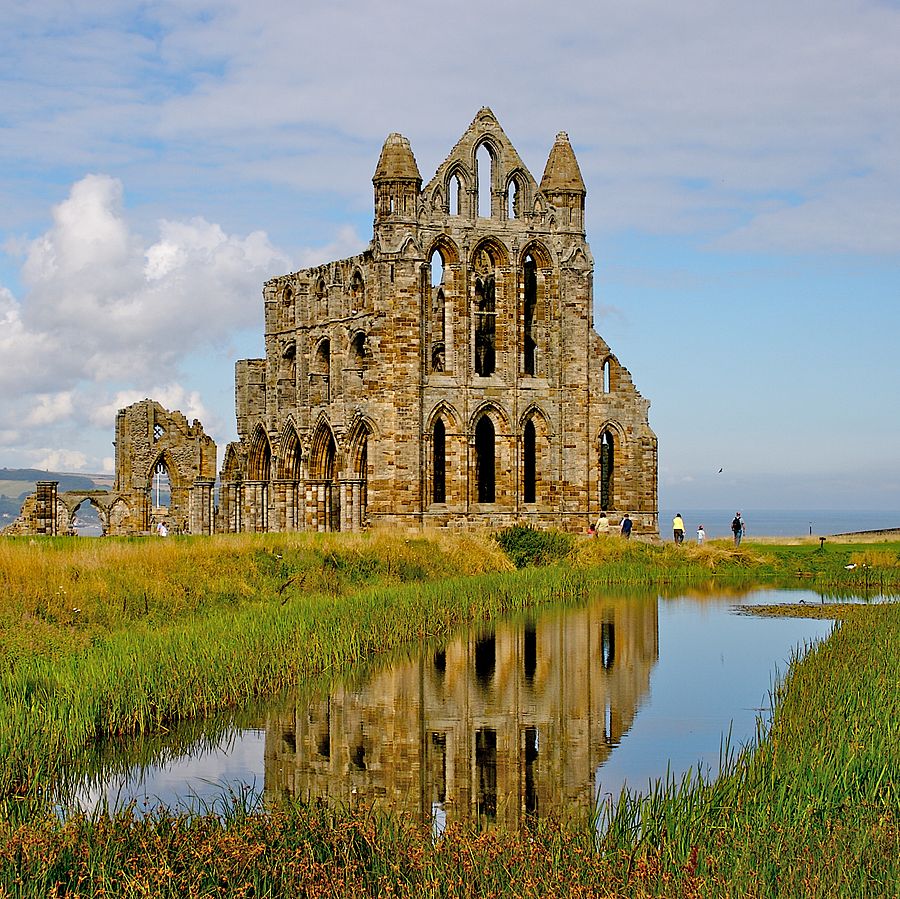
812,808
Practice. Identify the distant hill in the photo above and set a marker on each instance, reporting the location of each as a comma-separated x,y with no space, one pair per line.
17,483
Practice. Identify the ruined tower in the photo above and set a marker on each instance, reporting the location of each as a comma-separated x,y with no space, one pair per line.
450,375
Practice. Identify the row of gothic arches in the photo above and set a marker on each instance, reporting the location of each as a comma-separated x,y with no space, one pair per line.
479,463
483,188
530,292
320,483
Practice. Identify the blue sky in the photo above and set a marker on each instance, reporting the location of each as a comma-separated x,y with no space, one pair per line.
161,160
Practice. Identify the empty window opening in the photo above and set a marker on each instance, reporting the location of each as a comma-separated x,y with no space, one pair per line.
455,196
513,200
329,451
486,773
485,658
440,663
86,520
606,379
485,163
529,342
439,449
485,326
607,644
607,470
158,432
529,463
438,314
161,486
485,459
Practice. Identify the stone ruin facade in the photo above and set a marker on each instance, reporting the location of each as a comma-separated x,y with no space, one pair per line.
165,471
450,375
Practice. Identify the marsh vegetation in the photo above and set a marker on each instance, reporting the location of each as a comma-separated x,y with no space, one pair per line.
113,637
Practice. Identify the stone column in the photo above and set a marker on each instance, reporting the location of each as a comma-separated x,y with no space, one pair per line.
45,507
201,507
255,506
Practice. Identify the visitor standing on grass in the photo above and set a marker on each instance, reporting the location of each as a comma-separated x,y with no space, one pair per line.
678,528
737,528
701,535
626,527
162,530
602,524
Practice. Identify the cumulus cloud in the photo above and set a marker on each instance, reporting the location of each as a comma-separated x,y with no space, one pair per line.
49,408
59,459
113,306
108,317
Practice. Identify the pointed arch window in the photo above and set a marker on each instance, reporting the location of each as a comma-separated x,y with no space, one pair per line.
529,309
485,459
438,314
514,199
455,199
607,471
529,463
607,381
439,463
484,161
485,315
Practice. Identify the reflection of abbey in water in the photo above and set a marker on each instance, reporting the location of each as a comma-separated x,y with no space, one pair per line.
511,723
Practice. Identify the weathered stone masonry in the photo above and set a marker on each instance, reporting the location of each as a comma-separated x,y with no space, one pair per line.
450,374
150,442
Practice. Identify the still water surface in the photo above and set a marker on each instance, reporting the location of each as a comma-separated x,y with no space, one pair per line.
529,716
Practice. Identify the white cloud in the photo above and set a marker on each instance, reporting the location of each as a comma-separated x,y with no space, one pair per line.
50,408
59,460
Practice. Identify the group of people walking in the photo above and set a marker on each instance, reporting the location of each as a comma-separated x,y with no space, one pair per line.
737,529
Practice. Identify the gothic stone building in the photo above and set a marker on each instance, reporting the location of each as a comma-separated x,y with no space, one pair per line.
450,375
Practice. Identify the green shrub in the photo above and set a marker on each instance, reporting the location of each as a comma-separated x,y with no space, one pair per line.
526,545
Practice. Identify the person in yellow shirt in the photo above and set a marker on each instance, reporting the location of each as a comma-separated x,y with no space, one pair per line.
678,528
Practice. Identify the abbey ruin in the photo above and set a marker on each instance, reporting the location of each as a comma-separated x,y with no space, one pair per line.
450,375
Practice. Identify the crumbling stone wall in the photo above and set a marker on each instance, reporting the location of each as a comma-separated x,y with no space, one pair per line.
450,375
149,438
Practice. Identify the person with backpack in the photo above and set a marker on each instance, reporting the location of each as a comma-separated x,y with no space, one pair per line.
737,528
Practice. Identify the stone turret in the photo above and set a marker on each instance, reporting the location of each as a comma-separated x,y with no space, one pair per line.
397,182
563,185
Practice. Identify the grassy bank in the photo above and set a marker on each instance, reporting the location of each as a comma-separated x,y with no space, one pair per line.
116,637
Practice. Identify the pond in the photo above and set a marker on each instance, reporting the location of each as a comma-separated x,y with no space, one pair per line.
531,716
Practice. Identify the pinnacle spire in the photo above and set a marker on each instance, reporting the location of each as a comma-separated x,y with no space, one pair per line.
562,171
396,161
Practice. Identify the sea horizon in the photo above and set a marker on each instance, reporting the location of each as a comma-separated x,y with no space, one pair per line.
778,522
